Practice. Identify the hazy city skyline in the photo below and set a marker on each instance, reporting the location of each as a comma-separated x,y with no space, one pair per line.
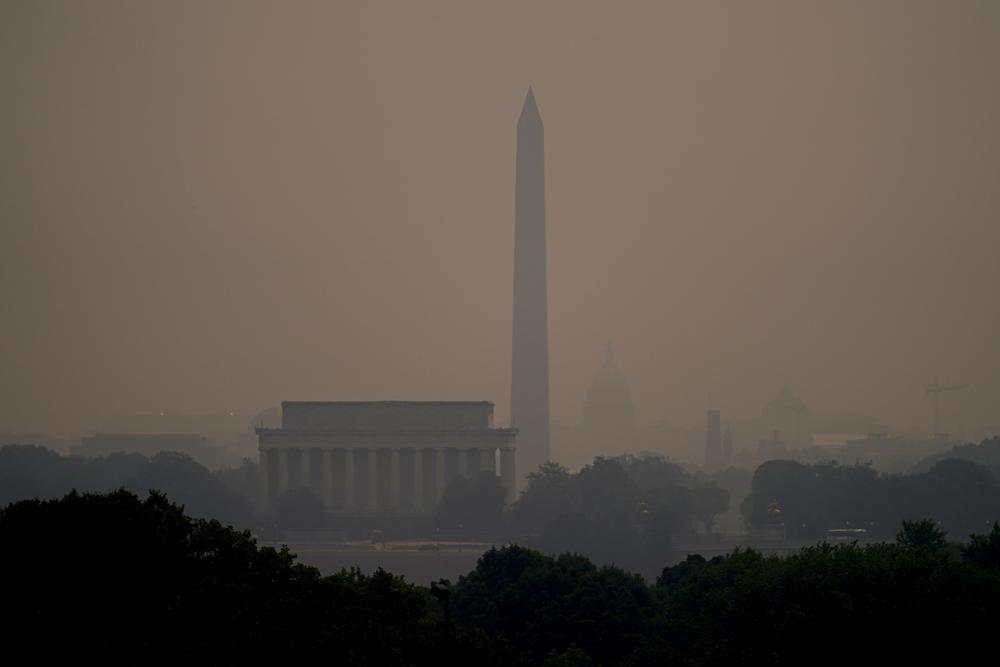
214,208
538,332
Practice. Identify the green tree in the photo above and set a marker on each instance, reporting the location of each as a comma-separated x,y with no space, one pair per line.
573,656
604,486
541,604
922,535
187,482
244,480
709,500
961,495
136,581
549,494
883,600
984,550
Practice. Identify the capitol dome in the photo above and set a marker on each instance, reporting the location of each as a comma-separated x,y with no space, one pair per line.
609,399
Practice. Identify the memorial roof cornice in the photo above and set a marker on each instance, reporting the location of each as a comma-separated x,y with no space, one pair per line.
387,403
458,431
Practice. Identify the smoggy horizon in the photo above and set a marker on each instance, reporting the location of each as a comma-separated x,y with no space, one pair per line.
218,208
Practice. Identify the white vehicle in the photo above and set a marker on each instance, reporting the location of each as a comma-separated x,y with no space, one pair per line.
846,534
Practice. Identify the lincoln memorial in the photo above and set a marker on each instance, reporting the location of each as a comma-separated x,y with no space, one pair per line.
383,457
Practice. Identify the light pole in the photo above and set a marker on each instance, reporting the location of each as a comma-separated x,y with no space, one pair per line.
442,591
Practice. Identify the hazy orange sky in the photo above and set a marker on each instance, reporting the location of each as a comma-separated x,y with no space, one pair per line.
219,206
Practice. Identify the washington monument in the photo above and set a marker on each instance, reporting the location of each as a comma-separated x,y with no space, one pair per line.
529,386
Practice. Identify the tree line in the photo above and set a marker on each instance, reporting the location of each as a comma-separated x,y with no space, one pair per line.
125,579
807,500
626,510
29,471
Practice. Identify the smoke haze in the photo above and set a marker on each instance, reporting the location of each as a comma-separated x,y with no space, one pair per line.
219,207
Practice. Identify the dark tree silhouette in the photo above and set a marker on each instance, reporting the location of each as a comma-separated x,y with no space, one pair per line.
922,535
984,550
187,482
963,496
27,471
300,509
114,579
472,506
624,510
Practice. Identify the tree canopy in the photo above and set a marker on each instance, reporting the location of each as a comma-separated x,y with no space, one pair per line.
119,579
963,496
622,510
28,471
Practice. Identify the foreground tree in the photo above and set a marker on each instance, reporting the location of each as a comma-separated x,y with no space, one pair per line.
984,550
115,579
543,604
121,580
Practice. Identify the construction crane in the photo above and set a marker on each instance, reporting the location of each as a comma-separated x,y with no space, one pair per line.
934,391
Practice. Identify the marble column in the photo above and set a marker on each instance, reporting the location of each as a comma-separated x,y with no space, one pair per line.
487,461
463,463
418,478
372,478
282,471
507,474
439,482
264,461
349,500
327,478
394,478
305,467
294,468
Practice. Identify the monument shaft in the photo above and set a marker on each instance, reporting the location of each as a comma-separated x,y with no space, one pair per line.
530,353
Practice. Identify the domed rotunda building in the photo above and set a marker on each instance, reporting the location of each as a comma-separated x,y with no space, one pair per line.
609,426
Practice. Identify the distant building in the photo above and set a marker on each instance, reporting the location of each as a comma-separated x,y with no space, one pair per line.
789,415
895,454
727,446
231,431
608,414
771,448
610,428
198,447
383,457
800,427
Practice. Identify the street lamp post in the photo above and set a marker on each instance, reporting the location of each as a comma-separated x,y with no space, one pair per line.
442,591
